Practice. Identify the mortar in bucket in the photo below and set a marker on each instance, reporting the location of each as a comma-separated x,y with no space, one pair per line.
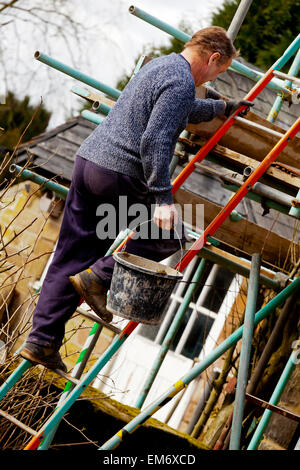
140,288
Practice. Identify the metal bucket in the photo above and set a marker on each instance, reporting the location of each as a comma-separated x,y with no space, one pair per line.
140,288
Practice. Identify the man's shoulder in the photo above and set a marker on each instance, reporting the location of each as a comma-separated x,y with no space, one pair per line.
172,60
173,68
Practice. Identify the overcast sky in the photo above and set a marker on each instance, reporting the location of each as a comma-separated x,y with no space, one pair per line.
109,43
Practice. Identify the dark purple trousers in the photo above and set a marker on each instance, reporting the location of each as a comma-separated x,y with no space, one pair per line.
79,247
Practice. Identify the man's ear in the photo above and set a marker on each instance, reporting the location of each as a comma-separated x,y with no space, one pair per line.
214,58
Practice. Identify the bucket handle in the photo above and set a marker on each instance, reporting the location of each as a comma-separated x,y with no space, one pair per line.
149,220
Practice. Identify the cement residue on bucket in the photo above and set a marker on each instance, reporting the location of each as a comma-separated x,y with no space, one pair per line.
140,288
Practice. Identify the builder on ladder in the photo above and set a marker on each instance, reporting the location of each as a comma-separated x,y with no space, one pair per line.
127,155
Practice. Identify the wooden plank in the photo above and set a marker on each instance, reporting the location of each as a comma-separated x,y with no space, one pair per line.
237,259
92,96
82,131
53,164
254,143
72,136
277,171
47,135
59,147
244,235
85,123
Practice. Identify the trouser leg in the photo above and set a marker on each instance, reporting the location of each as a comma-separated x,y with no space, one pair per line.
153,243
78,247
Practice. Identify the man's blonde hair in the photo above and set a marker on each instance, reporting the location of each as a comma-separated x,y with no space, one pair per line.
213,39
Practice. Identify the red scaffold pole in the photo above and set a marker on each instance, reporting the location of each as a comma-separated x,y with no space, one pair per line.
238,196
220,132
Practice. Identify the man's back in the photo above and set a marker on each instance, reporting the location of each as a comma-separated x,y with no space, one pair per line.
164,85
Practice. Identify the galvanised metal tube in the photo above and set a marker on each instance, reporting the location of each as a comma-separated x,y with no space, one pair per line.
238,18
253,196
203,399
295,211
275,84
83,356
143,15
77,391
209,281
82,77
255,126
258,435
171,334
25,174
199,368
14,377
236,267
92,117
292,49
243,371
174,302
273,114
100,107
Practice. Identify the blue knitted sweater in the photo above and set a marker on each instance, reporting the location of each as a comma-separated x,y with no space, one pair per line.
139,135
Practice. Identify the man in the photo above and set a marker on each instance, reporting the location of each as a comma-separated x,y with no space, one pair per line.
127,155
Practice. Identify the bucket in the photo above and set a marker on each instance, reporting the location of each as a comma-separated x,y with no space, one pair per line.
140,288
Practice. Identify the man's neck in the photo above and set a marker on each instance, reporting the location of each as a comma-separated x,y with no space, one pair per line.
195,62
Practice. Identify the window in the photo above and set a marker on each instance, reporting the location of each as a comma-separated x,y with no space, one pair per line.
207,301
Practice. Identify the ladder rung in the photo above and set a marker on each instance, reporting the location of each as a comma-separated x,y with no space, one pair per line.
258,126
18,423
286,76
95,318
276,409
67,376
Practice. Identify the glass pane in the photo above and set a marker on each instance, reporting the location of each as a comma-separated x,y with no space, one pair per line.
218,291
149,331
197,336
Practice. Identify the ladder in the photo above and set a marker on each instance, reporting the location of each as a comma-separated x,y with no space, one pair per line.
74,386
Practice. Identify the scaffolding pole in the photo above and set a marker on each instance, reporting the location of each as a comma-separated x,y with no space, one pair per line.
238,18
198,369
171,334
83,356
24,174
82,77
132,325
243,371
273,114
247,186
284,378
275,84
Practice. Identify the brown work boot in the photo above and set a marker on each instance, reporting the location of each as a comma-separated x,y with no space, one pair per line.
90,287
46,356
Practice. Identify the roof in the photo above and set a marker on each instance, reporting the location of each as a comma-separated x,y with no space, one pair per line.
53,152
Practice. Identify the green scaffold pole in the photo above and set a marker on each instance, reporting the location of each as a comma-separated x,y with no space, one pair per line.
286,374
198,369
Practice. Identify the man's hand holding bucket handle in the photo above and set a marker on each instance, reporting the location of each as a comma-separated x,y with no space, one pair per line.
165,216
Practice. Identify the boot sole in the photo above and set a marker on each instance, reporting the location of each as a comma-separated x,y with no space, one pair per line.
78,287
26,354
